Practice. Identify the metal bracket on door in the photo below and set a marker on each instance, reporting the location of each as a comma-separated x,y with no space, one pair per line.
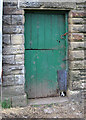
65,59
63,35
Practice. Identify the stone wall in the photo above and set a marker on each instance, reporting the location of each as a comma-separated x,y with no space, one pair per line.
13,54
77,54
13,47
77,58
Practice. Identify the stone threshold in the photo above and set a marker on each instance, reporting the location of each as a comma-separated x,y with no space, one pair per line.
49,100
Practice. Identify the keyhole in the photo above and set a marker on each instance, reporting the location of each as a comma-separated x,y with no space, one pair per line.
59,41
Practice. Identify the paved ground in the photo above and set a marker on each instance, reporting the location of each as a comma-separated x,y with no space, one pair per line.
59,109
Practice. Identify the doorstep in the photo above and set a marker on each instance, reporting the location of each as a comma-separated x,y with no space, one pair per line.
49,100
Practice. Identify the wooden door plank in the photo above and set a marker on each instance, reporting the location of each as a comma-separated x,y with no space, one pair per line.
42,89
51,73
41,31
27,72
33,77
28,30
35,31
47,31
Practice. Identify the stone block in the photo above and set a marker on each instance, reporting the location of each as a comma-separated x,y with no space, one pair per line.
13,49
84,95
77,20
8,59
85,111
12,10
16,101
77,75
11,91
47,4
76,46
12,80
12,29
77,28
76,37
8,80
6,39
20,100
17,39
85,53
83,72
13,70
74,95
74,75
85,64
17,19
10,4
80,6
77,13
78,85
19,59
76,55
76,65
19,79
7,20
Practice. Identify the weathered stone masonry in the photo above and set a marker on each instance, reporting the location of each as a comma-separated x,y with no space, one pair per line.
13,48
13,54
77,32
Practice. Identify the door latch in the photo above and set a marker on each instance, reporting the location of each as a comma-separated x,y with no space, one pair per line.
64,35
65,59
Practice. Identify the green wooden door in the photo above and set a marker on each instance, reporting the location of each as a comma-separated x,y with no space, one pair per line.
45,52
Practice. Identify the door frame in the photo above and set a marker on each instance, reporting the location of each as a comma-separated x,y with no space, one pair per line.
66,27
